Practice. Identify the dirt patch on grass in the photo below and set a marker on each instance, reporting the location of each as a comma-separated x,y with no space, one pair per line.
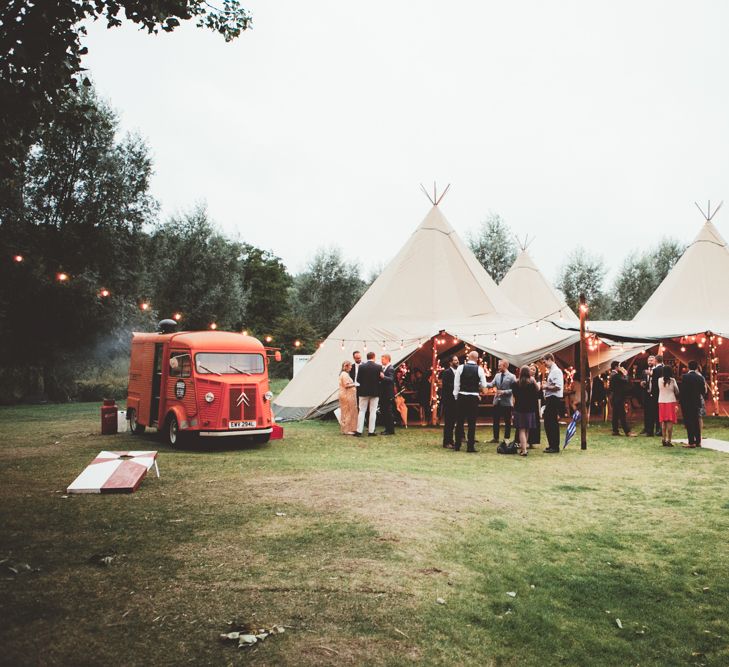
401,507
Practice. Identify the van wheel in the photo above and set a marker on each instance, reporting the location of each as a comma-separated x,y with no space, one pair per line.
172,433
134,426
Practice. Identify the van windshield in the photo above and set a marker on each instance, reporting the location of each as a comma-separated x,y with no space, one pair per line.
229,363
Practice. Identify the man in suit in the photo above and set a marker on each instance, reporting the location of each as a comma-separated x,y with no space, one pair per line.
649,418
656,375
619,386
468,383
693,387
503,381
356,363
447,378
387,394
369,393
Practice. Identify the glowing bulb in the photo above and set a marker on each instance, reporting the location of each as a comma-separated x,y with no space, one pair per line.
103,293
402,345
177,317
213,326
321,344
683,349
516,333
561,317
342,345
268,339
536,326
61,277
383,344
144,306
18,258
494,338
297,343
364,345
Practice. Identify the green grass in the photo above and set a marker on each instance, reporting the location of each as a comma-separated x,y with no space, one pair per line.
349,543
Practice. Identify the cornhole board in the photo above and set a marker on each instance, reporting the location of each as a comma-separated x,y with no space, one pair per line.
276,432
114,472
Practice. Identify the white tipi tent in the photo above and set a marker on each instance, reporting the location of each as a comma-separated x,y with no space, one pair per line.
433,284
526,286
692,299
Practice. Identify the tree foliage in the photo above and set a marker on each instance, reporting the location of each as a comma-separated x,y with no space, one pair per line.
584,273
494,246
41,51
326,291
640,275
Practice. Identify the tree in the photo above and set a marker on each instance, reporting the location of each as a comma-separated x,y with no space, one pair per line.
41,51
326,291
197,272
640,275
267,287
583,273
83,202
494,246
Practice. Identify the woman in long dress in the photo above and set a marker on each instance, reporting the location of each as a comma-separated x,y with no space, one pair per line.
347,400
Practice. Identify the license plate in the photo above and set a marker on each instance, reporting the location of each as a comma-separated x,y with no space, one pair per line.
242,425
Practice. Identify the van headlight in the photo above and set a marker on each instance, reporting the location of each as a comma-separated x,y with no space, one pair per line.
210,397
268,395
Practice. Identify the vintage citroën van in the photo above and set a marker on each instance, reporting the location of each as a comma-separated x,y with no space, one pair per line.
206,383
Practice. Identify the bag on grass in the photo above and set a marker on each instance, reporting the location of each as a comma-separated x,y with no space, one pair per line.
507,448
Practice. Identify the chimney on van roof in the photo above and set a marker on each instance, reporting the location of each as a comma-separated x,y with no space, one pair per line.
167,326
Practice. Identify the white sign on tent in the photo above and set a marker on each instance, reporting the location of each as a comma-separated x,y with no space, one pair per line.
300,361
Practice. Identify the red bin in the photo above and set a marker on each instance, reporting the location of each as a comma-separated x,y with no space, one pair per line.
109,424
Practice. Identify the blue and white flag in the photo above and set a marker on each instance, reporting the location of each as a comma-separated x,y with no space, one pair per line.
571,428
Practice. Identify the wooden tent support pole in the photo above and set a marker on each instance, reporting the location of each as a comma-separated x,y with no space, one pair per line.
583,373
434,383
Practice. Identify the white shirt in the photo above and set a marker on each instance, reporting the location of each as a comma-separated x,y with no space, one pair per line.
555,377
457,381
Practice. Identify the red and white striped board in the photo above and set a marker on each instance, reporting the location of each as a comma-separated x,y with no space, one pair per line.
114,472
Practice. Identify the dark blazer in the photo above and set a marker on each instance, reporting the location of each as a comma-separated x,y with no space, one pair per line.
369,379
619,387
693,387
352,370
657,375
447,378
387,384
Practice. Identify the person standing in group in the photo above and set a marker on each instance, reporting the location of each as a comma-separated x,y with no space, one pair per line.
526,404
535,434
503,381
354,370
347,400
619,386
468,383
668,396
693,390
656,376
553,398
369,393
447,378
387,394
649,419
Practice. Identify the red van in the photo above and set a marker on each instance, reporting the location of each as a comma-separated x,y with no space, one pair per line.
207,383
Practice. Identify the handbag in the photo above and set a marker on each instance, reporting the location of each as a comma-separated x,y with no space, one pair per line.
507,448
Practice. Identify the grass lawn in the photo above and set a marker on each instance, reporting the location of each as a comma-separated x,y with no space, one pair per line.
350,543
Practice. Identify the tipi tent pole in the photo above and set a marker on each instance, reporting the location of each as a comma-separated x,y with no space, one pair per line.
434,383
583,373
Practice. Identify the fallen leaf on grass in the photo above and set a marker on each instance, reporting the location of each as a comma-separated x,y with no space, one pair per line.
280,513
440,600
511,594
247,635
618,623
102,560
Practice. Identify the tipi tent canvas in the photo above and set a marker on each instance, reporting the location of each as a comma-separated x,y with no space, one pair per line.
526,286
433,284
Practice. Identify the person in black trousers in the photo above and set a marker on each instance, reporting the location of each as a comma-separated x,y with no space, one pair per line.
387,394
656,375
447,378
554,400
649,419
467,385
693,388
619,386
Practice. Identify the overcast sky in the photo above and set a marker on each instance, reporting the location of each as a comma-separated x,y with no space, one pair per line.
579,122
